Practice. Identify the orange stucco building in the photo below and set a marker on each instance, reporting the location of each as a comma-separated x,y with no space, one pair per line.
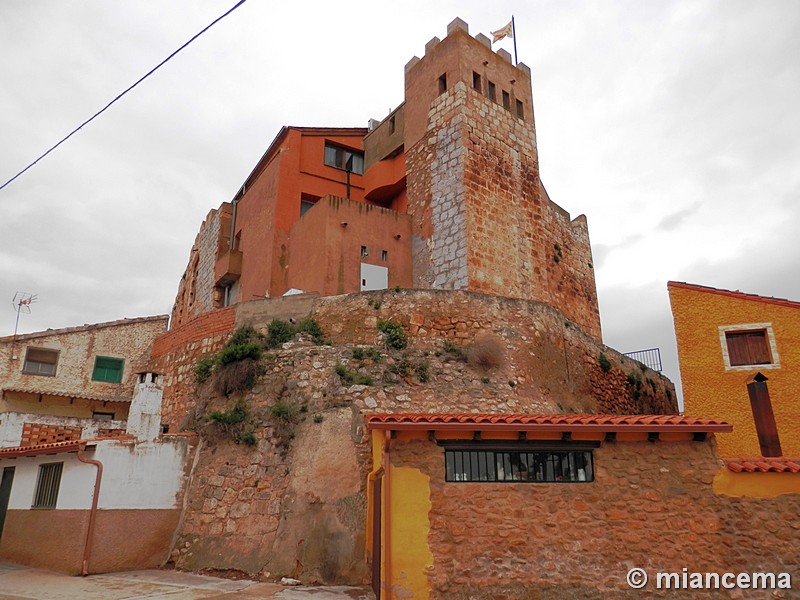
444,193
740,359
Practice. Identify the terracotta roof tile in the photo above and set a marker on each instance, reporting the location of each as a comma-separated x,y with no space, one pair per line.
733,294
70,394
48,332
764,464
58,447
597,422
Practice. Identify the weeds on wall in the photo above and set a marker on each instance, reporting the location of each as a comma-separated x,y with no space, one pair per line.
233,423
605,364
284,415
349,377
485,353
394,334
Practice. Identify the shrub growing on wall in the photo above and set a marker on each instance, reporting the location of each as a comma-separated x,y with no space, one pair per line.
395,334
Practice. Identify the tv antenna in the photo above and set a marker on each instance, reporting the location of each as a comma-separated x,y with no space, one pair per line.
22,304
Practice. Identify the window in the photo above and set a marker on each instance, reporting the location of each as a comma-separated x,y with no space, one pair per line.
476,81
103,416
506,100
509,465
364,251
442,84
391,124
748,345
520,109
491,91
40,361
47,485
306,202
384,255
342,158
108,369
747,348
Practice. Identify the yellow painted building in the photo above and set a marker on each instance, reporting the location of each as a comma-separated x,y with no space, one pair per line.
709,324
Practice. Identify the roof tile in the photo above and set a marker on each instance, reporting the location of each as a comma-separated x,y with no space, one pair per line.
764,464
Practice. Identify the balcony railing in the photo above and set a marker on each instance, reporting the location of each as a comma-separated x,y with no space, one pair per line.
650,357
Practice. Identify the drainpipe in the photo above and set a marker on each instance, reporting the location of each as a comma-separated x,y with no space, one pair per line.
387,539
87,548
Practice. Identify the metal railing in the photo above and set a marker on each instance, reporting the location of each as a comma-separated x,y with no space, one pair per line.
650,357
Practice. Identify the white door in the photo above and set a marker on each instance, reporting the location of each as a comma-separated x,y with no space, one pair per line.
374,277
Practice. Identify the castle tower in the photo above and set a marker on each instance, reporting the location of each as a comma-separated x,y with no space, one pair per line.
481,218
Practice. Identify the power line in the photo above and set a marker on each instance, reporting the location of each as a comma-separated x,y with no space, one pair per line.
140,80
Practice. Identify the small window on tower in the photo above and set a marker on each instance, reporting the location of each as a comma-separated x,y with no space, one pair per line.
384,255
506,100
391,124
476,81
520,110
364,251
443,83
491,91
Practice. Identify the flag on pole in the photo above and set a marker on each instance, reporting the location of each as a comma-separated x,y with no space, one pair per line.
503,32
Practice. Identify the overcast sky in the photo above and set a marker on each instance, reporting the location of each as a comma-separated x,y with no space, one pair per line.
674,126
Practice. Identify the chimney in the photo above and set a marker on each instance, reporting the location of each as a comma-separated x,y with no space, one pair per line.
144,417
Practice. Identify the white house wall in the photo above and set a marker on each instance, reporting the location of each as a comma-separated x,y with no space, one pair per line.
141,496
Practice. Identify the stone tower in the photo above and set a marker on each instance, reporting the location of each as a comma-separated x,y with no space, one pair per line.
482,220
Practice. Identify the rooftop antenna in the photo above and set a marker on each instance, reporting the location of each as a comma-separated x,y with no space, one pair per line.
22,303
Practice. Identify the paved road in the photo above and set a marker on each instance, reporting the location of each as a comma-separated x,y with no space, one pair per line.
25,583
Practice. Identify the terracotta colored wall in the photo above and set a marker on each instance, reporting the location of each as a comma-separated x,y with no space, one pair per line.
711,391
651,506
54,539
325,257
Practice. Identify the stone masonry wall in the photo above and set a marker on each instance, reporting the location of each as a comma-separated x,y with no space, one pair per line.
651,506
176,353
196,288
481,218
78,347
294,504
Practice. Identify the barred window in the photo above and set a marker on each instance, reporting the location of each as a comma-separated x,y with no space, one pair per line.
47,485
528,465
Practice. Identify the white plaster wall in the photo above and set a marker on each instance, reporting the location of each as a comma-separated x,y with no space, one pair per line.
135,476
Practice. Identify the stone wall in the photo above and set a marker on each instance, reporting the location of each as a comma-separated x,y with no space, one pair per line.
78,347
196,290
261,509
176,353
651,506
481,218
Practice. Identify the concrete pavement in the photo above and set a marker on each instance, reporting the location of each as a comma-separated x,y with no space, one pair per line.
26,583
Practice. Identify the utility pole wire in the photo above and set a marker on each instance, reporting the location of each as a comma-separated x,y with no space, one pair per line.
141,79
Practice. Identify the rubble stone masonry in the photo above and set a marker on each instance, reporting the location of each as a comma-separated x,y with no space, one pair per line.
651,506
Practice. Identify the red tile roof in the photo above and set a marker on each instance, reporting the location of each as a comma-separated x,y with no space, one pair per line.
545,422
733,294
51,448
81,395
763,464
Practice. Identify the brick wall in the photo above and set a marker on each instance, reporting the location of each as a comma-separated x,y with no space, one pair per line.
38,433
651,506
176,353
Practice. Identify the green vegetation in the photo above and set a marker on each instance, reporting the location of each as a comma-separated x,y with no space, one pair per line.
395,334
371,353
349,377
604,363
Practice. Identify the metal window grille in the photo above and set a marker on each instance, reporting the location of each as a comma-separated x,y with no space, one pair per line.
47,485
650,358
550,466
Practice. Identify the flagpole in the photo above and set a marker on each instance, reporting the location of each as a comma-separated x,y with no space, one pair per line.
514,35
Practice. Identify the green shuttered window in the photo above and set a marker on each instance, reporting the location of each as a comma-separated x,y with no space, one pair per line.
108,369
